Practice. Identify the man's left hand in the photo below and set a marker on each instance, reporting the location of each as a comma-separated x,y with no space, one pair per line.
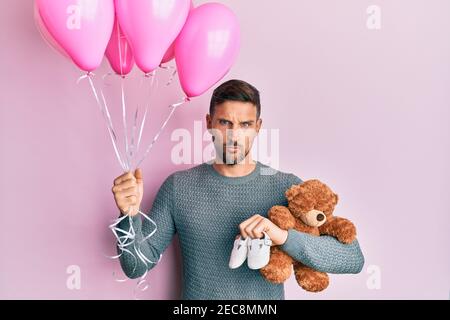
254,226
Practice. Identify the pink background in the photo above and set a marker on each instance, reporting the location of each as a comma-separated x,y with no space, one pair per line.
366,111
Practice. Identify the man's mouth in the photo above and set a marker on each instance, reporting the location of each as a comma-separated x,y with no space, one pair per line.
232,148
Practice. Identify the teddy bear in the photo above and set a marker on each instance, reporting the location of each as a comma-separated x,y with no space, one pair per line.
310,210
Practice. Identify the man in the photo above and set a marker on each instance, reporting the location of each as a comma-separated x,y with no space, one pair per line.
209,204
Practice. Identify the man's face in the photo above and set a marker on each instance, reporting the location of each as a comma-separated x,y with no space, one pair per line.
234,126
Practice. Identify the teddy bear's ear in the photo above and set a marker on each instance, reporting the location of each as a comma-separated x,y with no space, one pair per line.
292,192
336,198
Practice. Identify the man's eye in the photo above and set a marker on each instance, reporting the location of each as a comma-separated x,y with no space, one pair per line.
246,124
224,122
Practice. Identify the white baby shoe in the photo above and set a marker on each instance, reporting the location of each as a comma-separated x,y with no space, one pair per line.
239,252
258,253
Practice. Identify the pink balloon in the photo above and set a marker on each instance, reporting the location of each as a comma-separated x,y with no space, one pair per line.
151,26
170,53
119,52
45,34
81,28
207,47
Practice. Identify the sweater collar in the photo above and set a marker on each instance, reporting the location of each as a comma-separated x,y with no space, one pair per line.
233,180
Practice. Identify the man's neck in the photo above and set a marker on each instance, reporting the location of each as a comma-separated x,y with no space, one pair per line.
241,169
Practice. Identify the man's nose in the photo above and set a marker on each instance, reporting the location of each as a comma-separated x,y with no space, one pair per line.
233,135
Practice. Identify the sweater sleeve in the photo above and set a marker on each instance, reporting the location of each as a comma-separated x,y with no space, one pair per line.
324,253
162,214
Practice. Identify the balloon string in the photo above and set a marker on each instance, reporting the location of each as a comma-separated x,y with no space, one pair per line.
133,137
172,75
124,122
173,108
153,82
106,117
140,130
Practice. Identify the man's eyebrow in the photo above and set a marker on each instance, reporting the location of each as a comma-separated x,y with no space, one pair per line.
245,121
223,119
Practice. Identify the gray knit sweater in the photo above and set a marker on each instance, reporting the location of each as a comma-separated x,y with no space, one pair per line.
205,209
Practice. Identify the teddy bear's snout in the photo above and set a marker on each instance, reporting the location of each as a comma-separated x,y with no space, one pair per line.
314,218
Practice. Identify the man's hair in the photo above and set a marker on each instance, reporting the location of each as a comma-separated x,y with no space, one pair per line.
235,90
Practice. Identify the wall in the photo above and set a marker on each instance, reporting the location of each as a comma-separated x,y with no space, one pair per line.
364,110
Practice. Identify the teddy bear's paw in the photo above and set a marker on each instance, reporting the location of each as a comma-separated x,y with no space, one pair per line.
275,274
312,281
346,233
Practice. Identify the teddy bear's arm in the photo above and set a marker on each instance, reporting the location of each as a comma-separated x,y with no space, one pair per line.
282,217
342,229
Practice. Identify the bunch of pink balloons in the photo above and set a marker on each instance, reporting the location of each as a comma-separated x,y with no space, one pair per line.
204,40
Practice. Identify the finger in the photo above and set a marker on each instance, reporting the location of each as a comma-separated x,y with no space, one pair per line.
125,185
245,223
259,228
249,229
126,176
132,179
138,174
249,220
132,191
122,177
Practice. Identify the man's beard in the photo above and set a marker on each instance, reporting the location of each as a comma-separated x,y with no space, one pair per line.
234,158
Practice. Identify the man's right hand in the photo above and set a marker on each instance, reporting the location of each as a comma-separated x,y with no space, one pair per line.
128,190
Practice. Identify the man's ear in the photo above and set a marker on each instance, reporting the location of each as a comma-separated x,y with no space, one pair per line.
292,192
258,124
208,122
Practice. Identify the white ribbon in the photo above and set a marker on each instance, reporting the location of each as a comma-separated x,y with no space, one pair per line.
127,239
173,108
106,116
